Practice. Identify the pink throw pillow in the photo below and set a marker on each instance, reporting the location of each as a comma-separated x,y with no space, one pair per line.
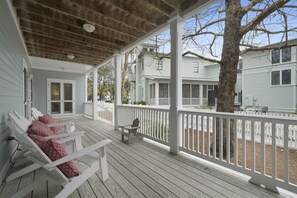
40,129
39,140
55,151
48,119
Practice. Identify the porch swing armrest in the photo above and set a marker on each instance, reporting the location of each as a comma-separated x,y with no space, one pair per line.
77,154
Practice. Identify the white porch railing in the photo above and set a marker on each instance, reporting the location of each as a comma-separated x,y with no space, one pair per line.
264,147
276,114
106,112
154,122
88,109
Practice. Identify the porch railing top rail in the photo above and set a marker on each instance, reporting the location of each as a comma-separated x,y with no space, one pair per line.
156,108
243,116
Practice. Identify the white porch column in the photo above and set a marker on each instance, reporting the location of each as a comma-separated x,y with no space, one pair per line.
86,88
201,94
95,93
156,93
117,99
176,83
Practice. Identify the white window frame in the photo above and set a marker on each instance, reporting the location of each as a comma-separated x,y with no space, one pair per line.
280,78
159,63
280,56
196,68
62,101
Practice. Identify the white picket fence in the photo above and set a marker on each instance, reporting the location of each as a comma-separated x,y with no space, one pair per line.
208,125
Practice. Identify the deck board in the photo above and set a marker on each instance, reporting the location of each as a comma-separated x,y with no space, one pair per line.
142,169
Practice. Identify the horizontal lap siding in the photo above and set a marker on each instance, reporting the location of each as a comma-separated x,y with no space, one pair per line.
12,54
277,98
40,88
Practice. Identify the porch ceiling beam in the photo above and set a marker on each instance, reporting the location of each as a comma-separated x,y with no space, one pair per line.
92,8
185,4
38,27
60,50
62,56
107,10
56,42
175,4
76,60
73,16
61,38
74,26
160,6
78,57
128,9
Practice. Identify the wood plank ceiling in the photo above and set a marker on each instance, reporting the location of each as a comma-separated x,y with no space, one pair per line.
53,28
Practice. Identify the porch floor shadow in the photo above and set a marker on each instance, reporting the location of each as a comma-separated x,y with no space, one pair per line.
143,169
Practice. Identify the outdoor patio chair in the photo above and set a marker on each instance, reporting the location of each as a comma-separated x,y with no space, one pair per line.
71,142
67,126
128,130
87,161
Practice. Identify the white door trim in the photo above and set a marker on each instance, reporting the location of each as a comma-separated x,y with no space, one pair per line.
61,81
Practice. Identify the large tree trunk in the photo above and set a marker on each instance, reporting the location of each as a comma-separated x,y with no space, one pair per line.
228,69
124,71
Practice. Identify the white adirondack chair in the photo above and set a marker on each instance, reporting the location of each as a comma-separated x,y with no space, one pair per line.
68,125
26,123
87,160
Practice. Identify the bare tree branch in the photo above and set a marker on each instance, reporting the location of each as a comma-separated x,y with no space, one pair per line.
205,26
249,7
266,12
202,33
275,32
255,48
202,57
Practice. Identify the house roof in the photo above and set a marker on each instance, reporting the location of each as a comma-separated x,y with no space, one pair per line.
54,28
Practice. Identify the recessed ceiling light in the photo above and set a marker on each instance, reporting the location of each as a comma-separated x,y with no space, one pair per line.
70,56
89,27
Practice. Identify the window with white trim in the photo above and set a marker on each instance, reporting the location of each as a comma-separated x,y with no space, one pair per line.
163,90
196,67
152,90
159,64
281,56
282,77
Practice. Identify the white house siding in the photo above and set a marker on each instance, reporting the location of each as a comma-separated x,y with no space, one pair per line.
207,70
40,88
256,77
208,73
238,88
12,55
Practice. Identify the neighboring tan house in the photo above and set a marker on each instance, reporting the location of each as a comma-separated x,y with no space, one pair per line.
269,79
150,78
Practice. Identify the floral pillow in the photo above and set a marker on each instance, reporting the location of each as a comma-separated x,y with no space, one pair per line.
40,129
55,151
48,119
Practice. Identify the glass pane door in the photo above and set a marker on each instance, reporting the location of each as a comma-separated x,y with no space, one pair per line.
68,97
60,96
55,98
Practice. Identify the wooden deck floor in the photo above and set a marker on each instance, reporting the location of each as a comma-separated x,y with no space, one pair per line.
142,169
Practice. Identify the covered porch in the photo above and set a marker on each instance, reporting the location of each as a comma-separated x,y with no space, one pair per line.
144,169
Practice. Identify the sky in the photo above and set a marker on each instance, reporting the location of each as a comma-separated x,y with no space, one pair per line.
200,44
